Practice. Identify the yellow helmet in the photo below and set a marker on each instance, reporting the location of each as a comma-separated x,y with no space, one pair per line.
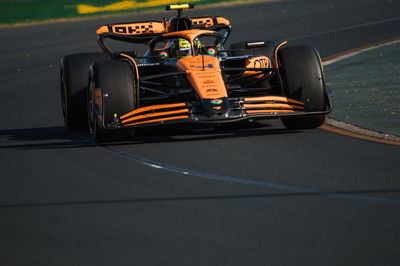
181,47
184,44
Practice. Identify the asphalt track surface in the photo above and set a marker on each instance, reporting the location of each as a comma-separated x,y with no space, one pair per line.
250,195
375,106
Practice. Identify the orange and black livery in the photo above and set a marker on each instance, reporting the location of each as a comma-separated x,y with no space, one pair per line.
186,74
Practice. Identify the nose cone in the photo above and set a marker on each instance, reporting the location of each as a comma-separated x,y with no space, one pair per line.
204,74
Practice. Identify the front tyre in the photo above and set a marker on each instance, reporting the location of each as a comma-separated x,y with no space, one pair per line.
111,92
302,77
73,82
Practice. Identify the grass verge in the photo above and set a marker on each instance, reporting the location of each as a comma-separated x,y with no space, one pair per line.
25,11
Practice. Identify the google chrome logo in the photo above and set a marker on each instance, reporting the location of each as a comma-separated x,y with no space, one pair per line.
211,51
216,101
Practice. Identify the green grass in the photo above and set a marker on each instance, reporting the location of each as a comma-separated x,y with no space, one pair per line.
42,10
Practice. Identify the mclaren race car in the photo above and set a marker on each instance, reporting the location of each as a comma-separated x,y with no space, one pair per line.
186,75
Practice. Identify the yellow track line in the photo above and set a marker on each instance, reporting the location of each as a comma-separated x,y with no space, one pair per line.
130,12
344,132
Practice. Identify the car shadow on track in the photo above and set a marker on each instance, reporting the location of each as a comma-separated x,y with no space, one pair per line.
179,133
370,193
42,138
59,137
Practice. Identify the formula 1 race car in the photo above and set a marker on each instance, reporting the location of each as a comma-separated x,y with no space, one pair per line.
187,76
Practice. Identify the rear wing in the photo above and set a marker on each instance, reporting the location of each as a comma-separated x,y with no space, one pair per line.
146,30
134,29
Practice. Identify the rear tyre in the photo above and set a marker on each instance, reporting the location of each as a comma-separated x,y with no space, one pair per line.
115,81
302,76
73,80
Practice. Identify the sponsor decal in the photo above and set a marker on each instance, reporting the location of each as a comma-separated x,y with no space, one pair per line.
260,63
211,51
149,65
216,101
163,54
125,29
201,66
238,57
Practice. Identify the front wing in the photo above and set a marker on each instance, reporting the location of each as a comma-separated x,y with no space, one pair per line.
224,110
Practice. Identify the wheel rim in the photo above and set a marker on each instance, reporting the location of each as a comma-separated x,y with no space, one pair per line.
91,110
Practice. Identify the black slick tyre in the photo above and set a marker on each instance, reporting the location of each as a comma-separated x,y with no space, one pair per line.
303,80
116,82
73,80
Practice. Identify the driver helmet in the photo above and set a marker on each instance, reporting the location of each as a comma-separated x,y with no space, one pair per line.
197,46
181,47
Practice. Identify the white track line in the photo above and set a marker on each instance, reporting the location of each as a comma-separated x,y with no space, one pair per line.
235,180
306,191
351,54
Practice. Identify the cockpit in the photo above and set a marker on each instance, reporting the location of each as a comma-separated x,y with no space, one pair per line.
180,45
